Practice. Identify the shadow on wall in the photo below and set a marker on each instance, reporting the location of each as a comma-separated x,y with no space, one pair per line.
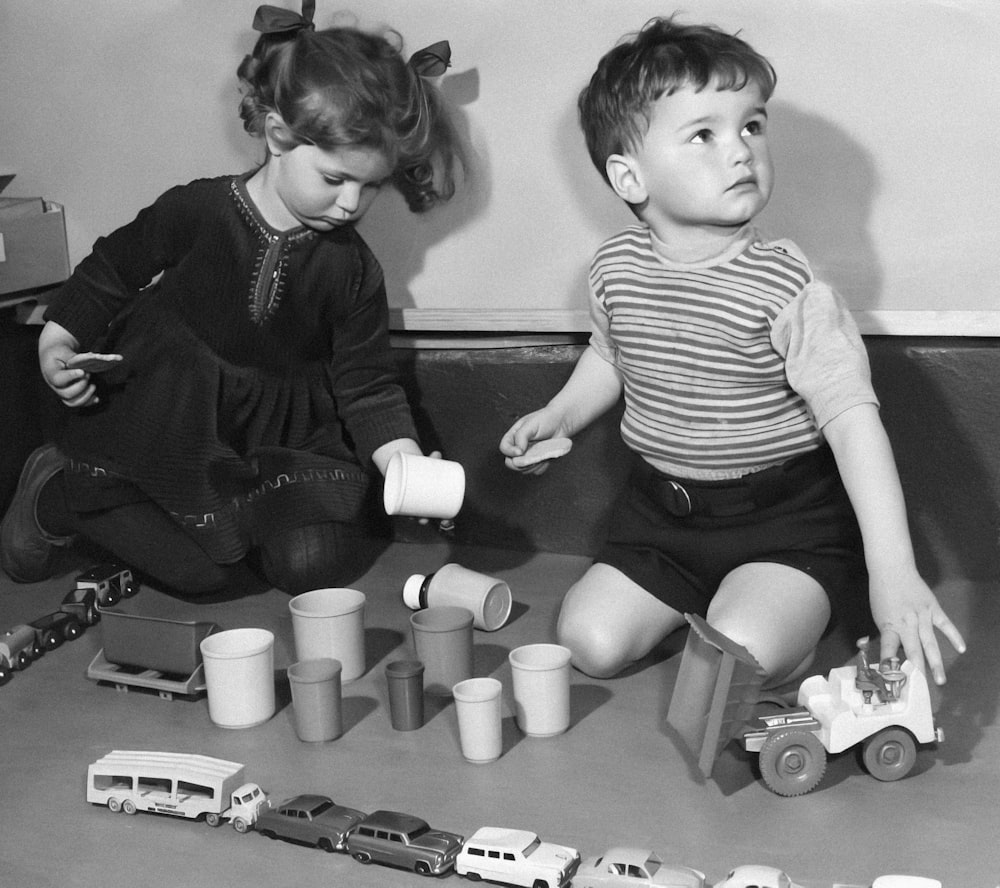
825,184
392,230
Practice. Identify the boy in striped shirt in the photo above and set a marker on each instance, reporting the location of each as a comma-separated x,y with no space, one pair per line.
763,483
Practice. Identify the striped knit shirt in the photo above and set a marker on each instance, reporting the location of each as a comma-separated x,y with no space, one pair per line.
728,366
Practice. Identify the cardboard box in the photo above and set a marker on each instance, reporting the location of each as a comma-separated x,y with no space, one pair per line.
33,250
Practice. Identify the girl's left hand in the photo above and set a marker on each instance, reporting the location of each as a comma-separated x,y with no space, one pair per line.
907,613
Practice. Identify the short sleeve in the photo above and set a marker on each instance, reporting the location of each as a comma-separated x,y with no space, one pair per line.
825,357
600,323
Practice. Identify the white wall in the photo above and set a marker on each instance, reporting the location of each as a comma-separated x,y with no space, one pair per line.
884,126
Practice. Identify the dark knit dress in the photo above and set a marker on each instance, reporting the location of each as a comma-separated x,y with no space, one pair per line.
257,378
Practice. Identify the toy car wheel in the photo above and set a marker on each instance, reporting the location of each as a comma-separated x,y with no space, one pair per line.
130,588
128,807
5,674
890,754
421,868
51,640
111,599
792,762
362,857
269,833
325,844
72,630
23,659
473,877
37,650
114,806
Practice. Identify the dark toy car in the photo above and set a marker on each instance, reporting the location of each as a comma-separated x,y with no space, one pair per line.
405,841
310,820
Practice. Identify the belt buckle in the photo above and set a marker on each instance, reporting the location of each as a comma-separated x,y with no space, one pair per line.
682,499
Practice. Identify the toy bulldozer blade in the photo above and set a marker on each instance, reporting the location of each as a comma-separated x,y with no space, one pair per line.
718,685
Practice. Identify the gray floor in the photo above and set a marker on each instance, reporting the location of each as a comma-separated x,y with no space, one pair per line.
615,778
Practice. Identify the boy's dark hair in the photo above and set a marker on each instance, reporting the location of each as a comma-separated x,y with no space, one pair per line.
656,61
343,86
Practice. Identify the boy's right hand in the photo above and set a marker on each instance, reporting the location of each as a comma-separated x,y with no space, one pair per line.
536,432
66,371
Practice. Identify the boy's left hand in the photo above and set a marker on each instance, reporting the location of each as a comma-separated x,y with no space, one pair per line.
907,614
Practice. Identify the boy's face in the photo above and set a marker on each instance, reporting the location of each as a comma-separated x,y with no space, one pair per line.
704,163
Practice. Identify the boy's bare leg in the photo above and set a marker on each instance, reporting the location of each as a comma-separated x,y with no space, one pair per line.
609,622
776,612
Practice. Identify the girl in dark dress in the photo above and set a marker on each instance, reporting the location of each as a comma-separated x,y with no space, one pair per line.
244,400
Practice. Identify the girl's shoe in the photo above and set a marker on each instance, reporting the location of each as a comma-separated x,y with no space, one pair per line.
26,550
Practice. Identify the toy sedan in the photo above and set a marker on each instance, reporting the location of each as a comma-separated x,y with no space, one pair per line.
309,820
756,876
634,868
405,841
516,857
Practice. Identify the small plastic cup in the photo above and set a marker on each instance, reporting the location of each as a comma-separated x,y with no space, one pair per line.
478,708
239,677
442,638
540,677
423,487
316,700
331,623
406,694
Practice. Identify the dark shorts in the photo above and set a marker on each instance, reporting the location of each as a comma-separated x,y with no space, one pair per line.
678,539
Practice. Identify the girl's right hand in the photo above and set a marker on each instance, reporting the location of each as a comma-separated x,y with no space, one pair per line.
58,357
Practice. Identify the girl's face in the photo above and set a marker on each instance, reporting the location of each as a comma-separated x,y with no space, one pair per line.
326,188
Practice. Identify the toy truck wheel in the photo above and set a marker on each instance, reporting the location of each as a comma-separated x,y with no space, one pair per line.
128,807
792,762
890,754
213,819
114,805
241,825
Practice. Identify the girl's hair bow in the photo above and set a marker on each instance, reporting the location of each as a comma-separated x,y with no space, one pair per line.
275,20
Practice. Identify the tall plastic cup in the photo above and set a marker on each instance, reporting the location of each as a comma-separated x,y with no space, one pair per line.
331,623
540,678
442,637
405,679
478,708
316,700
239,677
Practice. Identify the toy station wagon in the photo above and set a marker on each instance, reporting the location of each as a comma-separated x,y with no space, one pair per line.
402,840
516,857
310,820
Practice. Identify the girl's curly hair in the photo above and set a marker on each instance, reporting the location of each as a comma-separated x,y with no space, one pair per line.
343,86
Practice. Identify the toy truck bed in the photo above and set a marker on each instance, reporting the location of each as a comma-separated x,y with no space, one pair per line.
151,652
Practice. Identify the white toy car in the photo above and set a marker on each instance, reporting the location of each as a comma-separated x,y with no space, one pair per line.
635,868
516,857
756,876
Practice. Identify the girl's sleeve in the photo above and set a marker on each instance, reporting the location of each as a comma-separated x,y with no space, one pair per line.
370,399
825,357
121,264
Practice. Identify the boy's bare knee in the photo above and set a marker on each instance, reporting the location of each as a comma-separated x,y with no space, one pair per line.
594,651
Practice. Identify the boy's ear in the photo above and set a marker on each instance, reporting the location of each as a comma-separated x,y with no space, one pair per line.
278,135
625,179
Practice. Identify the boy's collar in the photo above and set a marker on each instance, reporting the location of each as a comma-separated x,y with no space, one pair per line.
732,248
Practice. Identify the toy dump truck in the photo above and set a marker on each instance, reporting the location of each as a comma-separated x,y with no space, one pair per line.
151,652
176,783
885,709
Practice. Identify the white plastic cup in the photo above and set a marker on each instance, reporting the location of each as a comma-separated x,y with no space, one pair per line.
540,674
488,598
316,700
423,487
331,623
442,638
239,677
477,705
